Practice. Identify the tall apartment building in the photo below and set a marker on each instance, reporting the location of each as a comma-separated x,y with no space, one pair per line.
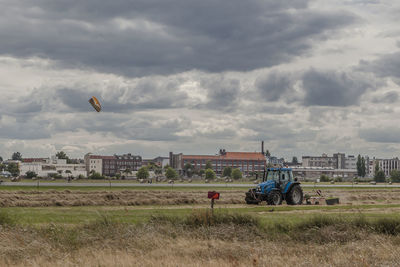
351,162
111,165
337,161
245,161
175,161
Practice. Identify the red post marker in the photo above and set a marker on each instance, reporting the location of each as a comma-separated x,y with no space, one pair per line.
213,195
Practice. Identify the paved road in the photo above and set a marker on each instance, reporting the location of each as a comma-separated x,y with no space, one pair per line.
107,184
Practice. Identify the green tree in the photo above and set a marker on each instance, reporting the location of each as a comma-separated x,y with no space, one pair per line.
359,167
236,174
395,176
96,176
363,170
143,173
208,165
30,174
210,174
1,159
61,155
166,166
380,177
324,178
379,174
188,169
227,172
294,160
16,156
13,169
267,153
158,170
201,172
171,174
151,166
377,167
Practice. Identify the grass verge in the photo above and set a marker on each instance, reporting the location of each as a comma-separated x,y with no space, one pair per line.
203,238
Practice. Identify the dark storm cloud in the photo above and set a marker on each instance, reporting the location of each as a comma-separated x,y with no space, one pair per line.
386,66
275,130
24,129
129,127
381,135
144,95
224,134
332,89
275,85
280,109
144,37
389,98
21,107
222,93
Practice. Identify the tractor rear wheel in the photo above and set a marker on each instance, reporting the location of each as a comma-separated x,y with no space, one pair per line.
274,198
295,195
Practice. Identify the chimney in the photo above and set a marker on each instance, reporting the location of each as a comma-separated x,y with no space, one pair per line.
262,147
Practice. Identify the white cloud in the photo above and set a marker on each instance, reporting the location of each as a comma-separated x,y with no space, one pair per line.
306,76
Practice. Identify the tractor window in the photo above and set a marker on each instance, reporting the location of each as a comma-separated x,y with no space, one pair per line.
290,176
273,175
286,176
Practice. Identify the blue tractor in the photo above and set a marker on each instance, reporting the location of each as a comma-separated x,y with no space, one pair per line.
278,185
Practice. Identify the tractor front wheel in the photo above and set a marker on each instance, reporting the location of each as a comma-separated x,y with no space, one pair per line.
274,198
295,195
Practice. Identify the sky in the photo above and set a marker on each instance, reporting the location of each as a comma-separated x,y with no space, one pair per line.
307,77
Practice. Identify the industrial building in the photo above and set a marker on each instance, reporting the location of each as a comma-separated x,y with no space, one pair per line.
247,162
337,161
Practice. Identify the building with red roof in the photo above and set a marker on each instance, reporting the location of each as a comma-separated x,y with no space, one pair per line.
247,162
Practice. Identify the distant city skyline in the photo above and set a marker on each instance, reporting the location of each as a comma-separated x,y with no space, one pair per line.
287,159
307,77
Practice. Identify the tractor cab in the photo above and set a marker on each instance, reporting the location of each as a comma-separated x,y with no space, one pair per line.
279,174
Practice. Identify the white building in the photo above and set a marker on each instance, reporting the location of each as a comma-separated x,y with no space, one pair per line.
52,166
316,172
94,163
351,162
386,165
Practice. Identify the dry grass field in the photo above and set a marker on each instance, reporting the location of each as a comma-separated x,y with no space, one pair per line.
201,239
174,228
125,197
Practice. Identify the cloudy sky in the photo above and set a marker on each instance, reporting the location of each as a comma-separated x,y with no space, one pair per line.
306,77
